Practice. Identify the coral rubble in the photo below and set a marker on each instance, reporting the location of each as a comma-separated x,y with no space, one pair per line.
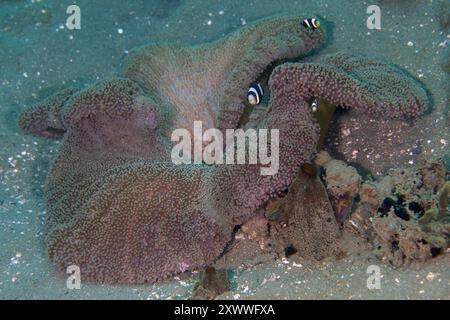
405,214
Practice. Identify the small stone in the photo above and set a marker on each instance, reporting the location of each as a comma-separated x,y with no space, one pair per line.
430,276
322,158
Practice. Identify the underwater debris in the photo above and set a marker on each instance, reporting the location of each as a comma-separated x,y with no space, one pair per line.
433,175
252,245
290,250
322,157
416,208
257,229
212,282
411,223
343,184
398,207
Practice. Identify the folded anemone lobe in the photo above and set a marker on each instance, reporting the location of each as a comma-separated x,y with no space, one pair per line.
364,84
209,82
117,207
44,119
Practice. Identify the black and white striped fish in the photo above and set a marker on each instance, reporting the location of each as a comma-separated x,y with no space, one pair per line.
255,94
311,23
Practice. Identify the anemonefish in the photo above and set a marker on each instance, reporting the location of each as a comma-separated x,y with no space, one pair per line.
314,105
311,23
254,94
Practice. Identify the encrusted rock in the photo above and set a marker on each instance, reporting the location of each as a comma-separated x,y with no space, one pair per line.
343,184
212,283
405,214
